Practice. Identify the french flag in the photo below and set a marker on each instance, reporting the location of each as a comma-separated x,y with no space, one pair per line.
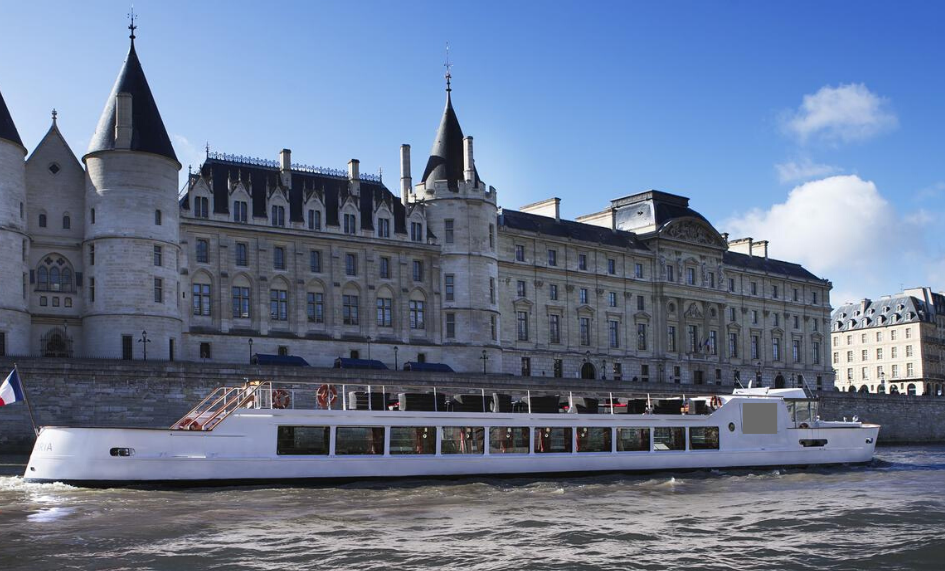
11,390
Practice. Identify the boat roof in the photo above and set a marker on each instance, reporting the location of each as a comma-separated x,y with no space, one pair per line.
769,392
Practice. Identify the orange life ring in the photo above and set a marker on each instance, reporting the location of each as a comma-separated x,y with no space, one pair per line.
326,395
280,398
803,425
191,424
716,402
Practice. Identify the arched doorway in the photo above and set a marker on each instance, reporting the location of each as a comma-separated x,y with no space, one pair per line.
55,343
881,389
779,382
911,389
893,390
588,372
864,389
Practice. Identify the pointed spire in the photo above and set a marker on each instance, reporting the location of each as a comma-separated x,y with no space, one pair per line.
446,157
448,67
54,115
148,133
7,127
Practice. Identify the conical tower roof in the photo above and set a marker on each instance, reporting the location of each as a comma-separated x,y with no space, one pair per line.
7,127
148,133
446,156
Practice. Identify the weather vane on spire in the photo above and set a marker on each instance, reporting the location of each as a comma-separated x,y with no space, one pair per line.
448,67
131,26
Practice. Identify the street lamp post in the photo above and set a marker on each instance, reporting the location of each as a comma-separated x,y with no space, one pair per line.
882,381
395,356
144,343
484,358
250,350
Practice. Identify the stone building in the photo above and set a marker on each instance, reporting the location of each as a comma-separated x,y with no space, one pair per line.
271,256
893,344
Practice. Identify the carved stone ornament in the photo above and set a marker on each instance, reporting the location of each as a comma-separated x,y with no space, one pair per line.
693,312
690,231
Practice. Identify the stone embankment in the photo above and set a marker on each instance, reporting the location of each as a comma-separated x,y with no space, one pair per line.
153,394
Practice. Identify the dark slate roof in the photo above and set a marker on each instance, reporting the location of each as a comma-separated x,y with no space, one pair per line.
666,212
446,160
148,132
880,313
333,190
7,127
568,229
769,265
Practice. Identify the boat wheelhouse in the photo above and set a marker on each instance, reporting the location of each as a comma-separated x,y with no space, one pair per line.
267,431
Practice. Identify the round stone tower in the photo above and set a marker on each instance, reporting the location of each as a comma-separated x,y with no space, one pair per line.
132,230
462,214
14,243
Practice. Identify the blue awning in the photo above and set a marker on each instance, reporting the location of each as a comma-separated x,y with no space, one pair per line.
433,367
344,363
286,360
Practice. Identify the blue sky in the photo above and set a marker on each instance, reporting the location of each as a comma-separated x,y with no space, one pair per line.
815,125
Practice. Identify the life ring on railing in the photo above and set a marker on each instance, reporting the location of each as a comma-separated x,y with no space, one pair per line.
803,425
716,402
280,398
190,424
326,395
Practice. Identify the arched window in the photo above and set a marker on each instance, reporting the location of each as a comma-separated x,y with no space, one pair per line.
911,389
55,274
54,278
66,279
42,279
92,213
42,220
157,217
66,222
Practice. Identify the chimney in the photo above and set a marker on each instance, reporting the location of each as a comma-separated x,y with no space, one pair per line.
285,167
761,248
354,177
123,121
468,161
406,182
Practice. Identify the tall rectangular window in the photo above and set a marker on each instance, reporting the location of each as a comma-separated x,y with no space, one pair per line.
491,290
350,224
449,287
691,276
315,261
519,253
492,237
522,321
774,291
641,336
349,309
754,347
553,292
384,268
693,335
713,343
314,219
448,230
383,227
671,338
278,216
3,342
520,288
670,273
492,327
91,290
384,311
203,251
611,266
552,257
416,231
240,210
796,350
416,315
815,352
417,271
351,264
158,256
240,302
554,329
242,258
585,327
201,299
450,325
278,305
753,288
582,295
582,261
641,303
278,258
638,271
733,344
158,290
776,349
614,331
315,307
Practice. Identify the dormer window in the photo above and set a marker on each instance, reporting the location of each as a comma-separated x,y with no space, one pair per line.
240,211
202,207
350,224
383,227
416,232
278,216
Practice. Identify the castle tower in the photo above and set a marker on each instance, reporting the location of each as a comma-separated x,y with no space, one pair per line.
132,231
14,243
462,214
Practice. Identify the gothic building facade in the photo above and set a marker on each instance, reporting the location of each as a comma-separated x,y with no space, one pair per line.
259,256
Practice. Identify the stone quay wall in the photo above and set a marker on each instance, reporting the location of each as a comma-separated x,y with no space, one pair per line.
74,392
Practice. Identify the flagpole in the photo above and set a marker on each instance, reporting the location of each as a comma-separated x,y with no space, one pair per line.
26,399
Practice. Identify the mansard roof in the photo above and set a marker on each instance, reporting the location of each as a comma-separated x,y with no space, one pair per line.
7,127
880,313
148,133
446,160
548,226
260,176
768,265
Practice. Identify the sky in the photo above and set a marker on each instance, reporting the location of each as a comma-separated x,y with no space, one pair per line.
815,125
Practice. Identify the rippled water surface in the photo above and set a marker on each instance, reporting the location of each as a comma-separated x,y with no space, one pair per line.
888,515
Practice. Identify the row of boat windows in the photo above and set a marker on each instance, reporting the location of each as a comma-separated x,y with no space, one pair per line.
407,440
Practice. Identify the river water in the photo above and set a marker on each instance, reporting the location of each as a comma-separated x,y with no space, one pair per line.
887,515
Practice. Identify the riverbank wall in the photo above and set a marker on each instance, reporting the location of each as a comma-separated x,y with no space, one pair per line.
86,392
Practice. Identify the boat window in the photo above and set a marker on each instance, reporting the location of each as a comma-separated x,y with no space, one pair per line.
413,440
813,442
555,439
633,439
302,440
508,440
594,439
801,412
463,440
359,440
704,438
669,438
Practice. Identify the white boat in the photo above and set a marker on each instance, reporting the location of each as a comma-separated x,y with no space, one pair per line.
259,432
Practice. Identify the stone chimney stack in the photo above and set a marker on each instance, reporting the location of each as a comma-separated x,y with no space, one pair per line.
123,121
406,182
354,177
760,248
285,167
468,161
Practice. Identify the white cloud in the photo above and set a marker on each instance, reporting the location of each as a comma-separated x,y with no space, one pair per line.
841,228
803,169
840,115
188,154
